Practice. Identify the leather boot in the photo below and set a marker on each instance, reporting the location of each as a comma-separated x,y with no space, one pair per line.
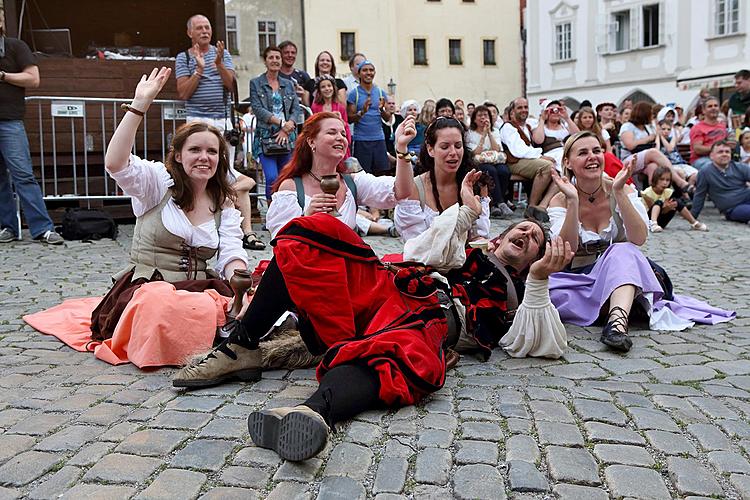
296,433
229,361
615,332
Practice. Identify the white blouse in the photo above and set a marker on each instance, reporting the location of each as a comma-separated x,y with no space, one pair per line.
375,192
146,182
557,218
411,219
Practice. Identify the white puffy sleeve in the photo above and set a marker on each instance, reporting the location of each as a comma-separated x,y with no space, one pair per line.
536,329
556,220
375,192
145,181
230,240
640,207
409,219
481,228
283,208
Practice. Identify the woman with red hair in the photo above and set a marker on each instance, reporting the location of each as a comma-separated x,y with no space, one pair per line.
318,152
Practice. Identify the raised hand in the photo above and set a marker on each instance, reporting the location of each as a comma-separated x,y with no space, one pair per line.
200,62
149,87
366,105
219,53
623,175
557,255
564,185
405,132
467,191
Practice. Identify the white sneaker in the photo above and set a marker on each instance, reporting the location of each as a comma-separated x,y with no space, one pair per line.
6,235
698,226
655,227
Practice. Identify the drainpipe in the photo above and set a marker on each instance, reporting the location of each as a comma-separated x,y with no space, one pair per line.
304,36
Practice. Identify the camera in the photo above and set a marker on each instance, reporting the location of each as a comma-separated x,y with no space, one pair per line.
232,137
555,111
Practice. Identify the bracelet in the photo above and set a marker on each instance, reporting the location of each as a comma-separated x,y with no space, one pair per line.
408,156
127,107
2,76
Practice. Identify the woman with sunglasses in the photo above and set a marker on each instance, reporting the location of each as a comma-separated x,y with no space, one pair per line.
444,162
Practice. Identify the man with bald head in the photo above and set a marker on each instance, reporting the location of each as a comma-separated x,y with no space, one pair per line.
203,73
523,159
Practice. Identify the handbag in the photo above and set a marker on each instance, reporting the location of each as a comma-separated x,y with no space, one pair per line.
270,147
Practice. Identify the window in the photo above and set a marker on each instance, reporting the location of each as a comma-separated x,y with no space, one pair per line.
232,38
347,45
563,42
488,52
727,19
420,52
650,25
266,35
621,31
454,52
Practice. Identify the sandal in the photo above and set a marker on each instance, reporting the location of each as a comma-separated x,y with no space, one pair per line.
251,242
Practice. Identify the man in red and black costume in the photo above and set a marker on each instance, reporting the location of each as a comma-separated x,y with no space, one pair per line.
384,333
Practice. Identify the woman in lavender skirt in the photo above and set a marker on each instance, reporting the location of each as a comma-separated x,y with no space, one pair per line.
604,219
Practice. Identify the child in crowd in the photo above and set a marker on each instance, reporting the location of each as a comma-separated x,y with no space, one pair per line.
666,141
744,146
662,202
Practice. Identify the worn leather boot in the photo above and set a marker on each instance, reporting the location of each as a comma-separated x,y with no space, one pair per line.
229,361
296,433
615,332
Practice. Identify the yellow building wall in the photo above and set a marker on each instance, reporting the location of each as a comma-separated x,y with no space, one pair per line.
385,30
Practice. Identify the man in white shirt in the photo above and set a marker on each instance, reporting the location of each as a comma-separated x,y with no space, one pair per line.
524,159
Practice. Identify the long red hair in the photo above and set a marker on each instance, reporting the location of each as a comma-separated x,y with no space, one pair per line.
302,157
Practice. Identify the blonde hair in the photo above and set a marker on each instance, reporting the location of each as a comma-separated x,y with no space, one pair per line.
569,145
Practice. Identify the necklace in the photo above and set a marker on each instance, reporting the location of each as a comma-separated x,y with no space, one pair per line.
591,195
314,176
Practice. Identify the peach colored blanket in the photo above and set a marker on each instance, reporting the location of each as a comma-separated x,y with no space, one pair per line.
160,326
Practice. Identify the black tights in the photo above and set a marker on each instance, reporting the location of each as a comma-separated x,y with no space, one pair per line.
345,390
270,301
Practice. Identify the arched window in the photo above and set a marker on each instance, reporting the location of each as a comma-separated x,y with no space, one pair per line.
571,102
638,96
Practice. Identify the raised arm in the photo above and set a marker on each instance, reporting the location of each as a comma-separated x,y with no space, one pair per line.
537,135
118,150
404,185
635,226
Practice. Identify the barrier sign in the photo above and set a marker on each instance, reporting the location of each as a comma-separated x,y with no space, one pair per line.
173,112
68,109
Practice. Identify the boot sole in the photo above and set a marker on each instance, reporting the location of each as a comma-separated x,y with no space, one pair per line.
618,346
295,437
250,375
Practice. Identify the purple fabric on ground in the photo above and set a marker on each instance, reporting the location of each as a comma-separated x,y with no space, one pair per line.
579,297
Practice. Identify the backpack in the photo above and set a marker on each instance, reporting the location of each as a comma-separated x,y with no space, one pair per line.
87,224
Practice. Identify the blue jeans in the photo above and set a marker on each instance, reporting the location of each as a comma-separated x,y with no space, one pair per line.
702,162
271,166
16,159
740,213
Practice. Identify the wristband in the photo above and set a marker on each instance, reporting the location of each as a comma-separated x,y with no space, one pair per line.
2,76
408,156
127,107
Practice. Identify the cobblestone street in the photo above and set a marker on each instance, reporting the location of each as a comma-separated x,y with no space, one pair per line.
671,419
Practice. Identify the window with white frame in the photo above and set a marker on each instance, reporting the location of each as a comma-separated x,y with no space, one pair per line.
563,41
232,37
727,17
620,32
266,35
650,21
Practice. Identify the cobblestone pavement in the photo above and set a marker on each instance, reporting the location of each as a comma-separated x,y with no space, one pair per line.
669,419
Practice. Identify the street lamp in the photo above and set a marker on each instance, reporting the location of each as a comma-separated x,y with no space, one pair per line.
392,87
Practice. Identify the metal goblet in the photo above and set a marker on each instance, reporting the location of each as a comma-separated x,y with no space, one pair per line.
330,184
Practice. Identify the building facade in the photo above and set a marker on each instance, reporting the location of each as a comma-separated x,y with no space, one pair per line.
662,51
468,49
252,25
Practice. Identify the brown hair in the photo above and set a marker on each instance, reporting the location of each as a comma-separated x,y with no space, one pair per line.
218,187
641,114
269,49
545,236
333,64
658,173
595,128
317,95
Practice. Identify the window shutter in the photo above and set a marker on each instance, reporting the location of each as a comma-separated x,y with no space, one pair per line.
636,27
603,34
662,23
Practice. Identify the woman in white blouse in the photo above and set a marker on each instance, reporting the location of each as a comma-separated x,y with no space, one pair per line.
444,161
185,216
318,151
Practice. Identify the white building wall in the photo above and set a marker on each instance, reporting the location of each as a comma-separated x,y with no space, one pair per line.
688,48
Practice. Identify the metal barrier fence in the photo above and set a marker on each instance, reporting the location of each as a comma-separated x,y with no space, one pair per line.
68,140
